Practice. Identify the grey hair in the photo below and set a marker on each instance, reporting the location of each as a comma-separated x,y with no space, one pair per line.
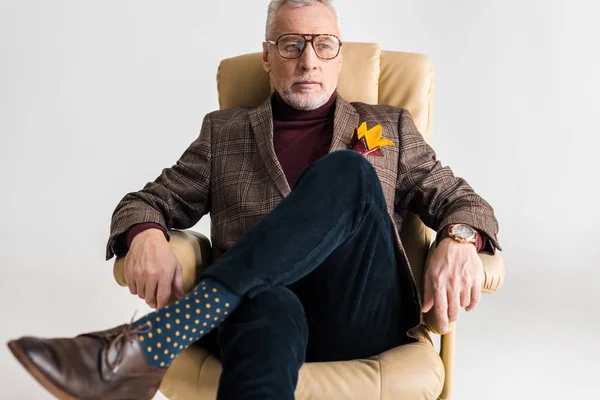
275,5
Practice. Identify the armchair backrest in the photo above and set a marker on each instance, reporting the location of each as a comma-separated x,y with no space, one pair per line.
369,75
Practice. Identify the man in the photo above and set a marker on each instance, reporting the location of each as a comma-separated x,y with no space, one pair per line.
306,210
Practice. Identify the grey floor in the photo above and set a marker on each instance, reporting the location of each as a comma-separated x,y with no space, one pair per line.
535,339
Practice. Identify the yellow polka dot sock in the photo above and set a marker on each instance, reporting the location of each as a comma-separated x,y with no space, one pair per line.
172,329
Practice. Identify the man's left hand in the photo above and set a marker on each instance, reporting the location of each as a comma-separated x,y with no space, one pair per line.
454,279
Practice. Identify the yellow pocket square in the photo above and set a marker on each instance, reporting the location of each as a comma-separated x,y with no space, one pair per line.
369,141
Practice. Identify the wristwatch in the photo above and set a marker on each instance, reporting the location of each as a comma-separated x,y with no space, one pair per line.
462,233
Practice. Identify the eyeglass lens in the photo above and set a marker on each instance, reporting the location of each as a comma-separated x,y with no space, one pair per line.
291,46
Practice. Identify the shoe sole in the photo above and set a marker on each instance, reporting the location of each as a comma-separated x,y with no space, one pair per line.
37,374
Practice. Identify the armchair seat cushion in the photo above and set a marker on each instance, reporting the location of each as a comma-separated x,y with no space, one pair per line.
411,371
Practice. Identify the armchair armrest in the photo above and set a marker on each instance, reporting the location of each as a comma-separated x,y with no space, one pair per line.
493,270
192,250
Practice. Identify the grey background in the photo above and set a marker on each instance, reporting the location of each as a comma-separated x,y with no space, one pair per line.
97,97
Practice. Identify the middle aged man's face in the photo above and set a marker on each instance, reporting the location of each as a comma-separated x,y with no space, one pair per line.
307,82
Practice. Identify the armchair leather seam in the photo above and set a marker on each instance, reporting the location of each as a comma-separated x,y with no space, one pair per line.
380,378
429,105
202,362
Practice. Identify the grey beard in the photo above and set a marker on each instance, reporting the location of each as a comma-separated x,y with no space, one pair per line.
304,104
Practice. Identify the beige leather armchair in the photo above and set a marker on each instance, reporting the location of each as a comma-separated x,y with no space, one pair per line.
412,371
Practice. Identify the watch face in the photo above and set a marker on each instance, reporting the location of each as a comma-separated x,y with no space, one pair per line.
463,231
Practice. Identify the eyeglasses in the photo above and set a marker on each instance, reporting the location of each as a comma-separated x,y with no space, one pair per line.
292,45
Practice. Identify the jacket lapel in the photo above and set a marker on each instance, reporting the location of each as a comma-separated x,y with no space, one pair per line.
345,122
261,121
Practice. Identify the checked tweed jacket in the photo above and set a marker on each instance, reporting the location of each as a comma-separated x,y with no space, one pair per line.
231,171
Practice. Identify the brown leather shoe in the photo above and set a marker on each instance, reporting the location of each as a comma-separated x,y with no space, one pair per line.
99,365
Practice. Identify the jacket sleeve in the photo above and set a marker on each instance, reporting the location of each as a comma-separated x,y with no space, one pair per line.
431,191
177,199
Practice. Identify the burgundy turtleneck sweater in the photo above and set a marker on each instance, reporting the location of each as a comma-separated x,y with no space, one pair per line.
299,138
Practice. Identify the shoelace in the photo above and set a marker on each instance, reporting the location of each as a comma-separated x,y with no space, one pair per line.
119,343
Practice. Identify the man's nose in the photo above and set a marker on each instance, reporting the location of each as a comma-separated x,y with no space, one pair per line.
308,59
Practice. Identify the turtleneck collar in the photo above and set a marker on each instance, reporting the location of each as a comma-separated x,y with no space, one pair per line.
284,112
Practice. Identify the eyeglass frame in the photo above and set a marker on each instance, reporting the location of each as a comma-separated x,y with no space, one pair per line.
307,41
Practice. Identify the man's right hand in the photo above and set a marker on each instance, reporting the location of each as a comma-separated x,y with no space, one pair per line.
152,270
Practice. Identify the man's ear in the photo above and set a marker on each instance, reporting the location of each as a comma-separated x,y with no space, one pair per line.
265,58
